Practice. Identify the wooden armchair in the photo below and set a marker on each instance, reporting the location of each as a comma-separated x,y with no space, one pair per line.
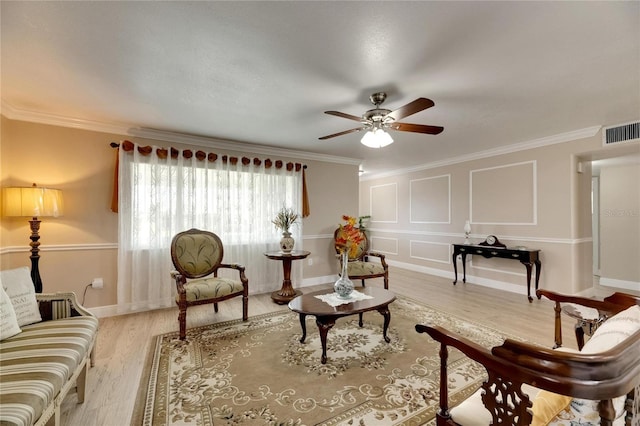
526,382
360,267
197,257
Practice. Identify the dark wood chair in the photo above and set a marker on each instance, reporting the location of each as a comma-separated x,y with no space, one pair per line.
197,257
596,375
606,308
360,267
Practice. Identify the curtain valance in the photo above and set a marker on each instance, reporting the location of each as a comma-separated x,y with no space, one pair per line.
163,153
211,156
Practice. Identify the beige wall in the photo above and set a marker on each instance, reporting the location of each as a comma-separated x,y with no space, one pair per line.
417,215
620,224
82,244
534,198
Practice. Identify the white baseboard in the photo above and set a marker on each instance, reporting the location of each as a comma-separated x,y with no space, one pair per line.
620,284
327,279
471,279
114,310
589,292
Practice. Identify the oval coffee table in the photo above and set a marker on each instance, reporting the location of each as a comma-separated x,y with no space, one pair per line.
326,314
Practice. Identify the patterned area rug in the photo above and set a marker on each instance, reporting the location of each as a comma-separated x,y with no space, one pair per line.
258,373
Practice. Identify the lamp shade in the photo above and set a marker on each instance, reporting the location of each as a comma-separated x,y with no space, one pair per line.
376,138
31,201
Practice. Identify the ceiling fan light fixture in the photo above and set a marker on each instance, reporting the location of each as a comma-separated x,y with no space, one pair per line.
376,138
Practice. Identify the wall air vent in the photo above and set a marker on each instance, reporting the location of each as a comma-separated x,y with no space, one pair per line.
622,133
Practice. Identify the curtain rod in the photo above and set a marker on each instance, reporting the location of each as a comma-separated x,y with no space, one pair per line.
173,150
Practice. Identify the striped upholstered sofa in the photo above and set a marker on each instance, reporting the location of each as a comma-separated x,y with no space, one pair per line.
45,360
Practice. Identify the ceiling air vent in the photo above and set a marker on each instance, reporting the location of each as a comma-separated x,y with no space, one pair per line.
622,133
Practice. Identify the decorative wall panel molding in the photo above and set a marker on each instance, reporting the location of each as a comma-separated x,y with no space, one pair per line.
384,203
504,195
430,200
384,245
431,251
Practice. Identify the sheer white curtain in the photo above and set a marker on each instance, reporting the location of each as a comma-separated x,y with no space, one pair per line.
161,197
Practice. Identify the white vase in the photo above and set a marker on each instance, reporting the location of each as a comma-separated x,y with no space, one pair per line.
344,286
287,242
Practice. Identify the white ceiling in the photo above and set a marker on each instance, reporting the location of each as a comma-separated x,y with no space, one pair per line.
499,73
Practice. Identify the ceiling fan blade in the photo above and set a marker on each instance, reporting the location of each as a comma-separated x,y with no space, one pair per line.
418,105
417,128
357,129
343,115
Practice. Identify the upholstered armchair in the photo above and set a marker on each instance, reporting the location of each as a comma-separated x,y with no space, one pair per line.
360,267
197,257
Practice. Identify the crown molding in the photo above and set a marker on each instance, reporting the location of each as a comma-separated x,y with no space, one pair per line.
587,132
14,113
124,129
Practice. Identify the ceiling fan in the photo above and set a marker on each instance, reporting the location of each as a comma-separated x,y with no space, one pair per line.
376,120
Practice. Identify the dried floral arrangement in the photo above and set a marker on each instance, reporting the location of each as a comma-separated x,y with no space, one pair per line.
285,218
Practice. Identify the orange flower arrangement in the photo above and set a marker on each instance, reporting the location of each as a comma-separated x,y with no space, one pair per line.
349,237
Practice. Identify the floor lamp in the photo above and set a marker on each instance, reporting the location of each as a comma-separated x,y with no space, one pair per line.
33,202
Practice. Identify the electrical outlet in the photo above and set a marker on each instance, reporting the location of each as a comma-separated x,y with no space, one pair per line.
310,261
97,283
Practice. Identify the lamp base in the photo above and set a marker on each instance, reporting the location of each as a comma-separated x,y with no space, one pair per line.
35,256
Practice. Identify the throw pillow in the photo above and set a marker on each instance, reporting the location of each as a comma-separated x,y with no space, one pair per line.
8,322
612,332
546,405
19,287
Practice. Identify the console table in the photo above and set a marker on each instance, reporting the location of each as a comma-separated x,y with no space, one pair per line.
527,257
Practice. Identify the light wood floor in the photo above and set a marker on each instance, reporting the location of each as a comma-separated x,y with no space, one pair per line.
124,341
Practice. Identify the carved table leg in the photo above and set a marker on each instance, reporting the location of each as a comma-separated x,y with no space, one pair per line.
538,268
464,267
287,293
384,311
528,265
455,267
303,324
324,325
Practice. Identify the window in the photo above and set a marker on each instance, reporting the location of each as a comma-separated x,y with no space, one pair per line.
159,197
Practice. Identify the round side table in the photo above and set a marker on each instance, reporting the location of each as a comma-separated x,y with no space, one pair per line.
286,293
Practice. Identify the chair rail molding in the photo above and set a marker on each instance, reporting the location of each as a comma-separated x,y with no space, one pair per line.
61,247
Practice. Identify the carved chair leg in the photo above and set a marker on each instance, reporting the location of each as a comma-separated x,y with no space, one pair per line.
386,282
443,414
632,407
245,308
579,335
215,307
92,355
607,412
363,284
558,325
182,320
81,383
